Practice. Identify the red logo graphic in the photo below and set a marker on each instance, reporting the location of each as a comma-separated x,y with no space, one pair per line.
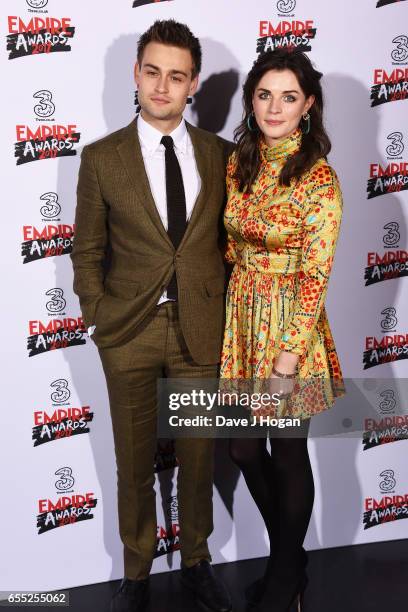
55,334
66,511
50,241
62,423
45,142
286,34
39,35
389,87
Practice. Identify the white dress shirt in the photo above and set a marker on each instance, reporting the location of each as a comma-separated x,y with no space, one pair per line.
154,161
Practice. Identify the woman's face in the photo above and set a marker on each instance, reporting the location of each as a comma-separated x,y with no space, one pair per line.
279,104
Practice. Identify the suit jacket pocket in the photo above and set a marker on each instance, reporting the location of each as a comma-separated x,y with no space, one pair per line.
121,288
215,286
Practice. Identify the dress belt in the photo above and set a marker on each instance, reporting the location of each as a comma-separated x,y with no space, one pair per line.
269,262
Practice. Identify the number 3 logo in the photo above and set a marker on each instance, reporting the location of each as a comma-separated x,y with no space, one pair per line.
400,54
390,320
392,237
66,481
37,3
52,208
45,107
397,146
61,393
57,302
388,402
389,481
286,6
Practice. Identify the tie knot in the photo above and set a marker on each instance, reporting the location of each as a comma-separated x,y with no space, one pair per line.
167,142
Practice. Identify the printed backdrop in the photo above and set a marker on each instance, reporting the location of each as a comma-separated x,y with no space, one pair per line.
68,67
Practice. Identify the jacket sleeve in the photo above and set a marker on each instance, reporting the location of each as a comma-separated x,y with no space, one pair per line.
91,237
321,224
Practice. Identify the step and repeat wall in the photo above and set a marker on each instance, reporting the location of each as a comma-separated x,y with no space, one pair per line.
68,68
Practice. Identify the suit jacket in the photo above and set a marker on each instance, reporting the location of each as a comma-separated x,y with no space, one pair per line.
123,257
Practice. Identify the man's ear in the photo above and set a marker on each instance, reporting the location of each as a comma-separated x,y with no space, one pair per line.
193,86
136,73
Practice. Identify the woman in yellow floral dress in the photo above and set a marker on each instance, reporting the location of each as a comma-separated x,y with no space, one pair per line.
282,217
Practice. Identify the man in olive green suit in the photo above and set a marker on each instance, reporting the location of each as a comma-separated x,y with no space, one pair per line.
151,195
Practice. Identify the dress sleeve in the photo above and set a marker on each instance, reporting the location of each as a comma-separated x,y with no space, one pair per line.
321,224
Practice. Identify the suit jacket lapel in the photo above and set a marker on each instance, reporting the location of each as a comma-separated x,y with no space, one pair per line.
202,153
131,156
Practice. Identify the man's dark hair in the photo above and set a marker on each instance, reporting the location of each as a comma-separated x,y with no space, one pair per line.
170,32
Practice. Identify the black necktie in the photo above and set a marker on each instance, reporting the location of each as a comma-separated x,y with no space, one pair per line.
176,204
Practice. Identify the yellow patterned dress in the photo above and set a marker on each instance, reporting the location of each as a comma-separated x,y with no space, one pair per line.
282,241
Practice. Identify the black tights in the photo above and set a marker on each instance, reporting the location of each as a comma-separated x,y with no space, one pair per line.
281,483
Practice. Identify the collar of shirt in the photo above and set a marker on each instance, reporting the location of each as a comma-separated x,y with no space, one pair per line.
150,137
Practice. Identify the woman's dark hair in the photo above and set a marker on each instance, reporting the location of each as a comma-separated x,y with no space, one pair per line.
171,32
314,145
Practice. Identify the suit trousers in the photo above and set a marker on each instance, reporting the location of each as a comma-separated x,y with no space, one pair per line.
157,350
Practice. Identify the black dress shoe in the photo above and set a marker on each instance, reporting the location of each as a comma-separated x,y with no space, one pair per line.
210,593
132,596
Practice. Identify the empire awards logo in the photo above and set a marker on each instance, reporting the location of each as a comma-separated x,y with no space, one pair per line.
391,347
388,428
50,240
291,35
392,263
137,3
389,507
60,421
38,35
168,536
48,140
391,177
68,509
392,85
59,333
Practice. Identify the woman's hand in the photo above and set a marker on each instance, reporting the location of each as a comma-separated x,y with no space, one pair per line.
281,386
285,363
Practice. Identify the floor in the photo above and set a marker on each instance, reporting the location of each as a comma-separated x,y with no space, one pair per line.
362,578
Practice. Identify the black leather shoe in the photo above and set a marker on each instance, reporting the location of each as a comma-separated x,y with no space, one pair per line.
132,596
210,593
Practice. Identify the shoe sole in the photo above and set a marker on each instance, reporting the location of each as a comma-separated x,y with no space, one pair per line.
198,601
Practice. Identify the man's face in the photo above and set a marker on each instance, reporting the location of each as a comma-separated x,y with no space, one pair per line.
164,81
